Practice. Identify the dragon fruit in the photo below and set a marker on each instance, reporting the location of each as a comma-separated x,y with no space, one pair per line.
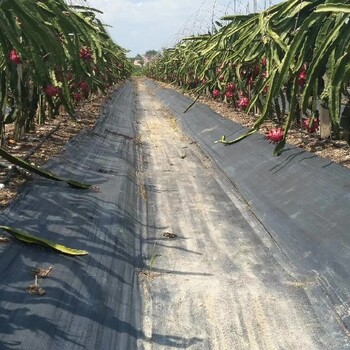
229,95
302,75
85,53
275,135
307,122
15,57
243,102
84,86
77,96
51,90
230,87
216,93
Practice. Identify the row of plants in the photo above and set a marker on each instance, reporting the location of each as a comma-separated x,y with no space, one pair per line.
52,56
285,64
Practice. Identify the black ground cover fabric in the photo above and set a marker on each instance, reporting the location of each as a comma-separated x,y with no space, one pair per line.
303,200
91,302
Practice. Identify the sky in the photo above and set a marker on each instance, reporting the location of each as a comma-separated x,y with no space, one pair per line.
142,25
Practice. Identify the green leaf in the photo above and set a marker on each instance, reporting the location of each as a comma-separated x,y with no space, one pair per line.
279,148
45,173
26,237
336,8
239,138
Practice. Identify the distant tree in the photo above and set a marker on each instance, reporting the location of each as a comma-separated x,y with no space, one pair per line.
151,53
138,57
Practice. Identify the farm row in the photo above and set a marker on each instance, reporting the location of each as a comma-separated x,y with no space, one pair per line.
52,55
284,64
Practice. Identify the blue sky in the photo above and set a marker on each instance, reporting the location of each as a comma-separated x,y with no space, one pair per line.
141,25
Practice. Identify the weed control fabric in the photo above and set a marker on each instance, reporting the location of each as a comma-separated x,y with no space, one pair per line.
89,302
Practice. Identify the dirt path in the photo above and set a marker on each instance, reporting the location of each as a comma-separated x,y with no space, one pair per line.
215,279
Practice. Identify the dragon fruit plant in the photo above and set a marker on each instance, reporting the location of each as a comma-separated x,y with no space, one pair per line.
301,59
42,74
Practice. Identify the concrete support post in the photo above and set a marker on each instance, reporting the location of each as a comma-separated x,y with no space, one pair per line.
325,123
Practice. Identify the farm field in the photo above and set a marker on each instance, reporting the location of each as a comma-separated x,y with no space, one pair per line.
170,237
196,197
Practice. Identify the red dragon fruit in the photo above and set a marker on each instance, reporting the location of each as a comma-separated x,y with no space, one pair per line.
229,95
84,86
15,57
302,76
266,89
85,53
307,122
230,87
216,93
77,96
256,71
51,90
275,135
243,102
